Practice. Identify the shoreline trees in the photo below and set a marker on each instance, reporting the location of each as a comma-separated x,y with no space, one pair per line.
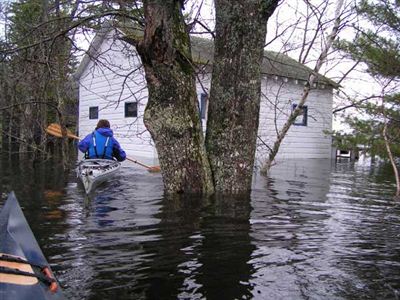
377,46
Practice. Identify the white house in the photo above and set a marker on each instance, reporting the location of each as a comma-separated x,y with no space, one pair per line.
112,86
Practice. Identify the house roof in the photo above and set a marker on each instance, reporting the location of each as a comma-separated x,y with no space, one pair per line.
93,48
274,63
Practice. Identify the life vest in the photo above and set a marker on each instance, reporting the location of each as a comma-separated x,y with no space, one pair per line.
100,147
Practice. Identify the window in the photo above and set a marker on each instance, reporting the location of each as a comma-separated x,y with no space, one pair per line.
301,119
130,109
93,112
203,105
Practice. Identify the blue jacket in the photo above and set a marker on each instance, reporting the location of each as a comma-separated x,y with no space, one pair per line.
94,145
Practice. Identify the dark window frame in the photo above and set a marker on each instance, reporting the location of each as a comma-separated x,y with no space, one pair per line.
129,114
304,115
93,112
203,105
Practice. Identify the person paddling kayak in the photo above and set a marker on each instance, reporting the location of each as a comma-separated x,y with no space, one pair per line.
101,143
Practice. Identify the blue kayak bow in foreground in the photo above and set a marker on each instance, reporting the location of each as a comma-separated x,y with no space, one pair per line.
24,271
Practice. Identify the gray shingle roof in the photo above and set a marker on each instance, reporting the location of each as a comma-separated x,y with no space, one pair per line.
274,63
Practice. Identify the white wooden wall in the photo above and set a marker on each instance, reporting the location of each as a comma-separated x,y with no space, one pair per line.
110,80
116,77
309,141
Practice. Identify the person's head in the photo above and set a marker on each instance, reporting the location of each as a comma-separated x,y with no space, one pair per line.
103,124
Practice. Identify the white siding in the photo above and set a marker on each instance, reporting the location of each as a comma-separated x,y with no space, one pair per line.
309,141
115,76
203,82
108,81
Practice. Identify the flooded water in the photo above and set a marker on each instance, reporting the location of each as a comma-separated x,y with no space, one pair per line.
312,230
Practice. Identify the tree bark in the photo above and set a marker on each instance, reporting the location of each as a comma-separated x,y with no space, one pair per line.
172,114
235,91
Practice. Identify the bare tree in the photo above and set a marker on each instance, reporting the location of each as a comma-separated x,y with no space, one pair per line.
305,49
388,146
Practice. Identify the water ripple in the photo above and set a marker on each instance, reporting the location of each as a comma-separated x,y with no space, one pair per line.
311,230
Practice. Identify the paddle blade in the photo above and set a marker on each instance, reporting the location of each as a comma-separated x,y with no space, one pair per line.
55,130
154,169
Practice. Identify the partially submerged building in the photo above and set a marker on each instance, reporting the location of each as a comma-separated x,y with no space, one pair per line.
112,86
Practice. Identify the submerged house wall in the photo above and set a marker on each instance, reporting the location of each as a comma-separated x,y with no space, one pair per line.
309,136
112,86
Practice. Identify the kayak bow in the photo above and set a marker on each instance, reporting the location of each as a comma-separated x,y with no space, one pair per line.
24,271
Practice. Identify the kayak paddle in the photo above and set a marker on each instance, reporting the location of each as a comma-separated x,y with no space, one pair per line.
55,130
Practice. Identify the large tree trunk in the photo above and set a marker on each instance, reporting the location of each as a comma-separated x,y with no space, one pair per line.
235,91
172,115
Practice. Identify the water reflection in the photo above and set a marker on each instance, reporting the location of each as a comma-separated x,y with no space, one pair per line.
224,254
172,256
319,232
312,230
192,248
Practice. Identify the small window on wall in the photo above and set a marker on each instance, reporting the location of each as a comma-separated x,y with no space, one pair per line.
93,112
130,109
301,119
203,105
